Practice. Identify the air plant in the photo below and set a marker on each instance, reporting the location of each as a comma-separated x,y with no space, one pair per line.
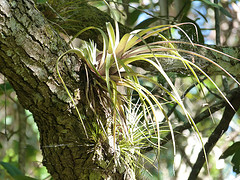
135,126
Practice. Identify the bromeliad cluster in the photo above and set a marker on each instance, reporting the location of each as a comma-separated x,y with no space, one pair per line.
112,65
134,126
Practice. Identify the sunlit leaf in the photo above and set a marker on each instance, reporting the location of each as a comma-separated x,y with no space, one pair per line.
122,45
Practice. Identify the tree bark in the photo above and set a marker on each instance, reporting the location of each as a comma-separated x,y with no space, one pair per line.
29,50
197,54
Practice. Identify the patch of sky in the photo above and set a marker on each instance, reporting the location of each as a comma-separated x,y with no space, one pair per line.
194,90
198,7
146,2
198,10
143,16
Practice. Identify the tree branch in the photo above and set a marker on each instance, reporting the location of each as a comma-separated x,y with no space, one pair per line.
199,118
215,107
217,133
201,56
177,131
88,15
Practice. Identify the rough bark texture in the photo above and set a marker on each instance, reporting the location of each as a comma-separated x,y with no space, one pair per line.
29,50
204,57
83,16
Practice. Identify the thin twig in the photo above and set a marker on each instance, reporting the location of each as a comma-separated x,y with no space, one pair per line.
217,106
225,84
183,96
147,13
5,107
211,92
217,23
217,133
179,129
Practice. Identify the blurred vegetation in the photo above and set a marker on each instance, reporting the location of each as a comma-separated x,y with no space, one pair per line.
19,136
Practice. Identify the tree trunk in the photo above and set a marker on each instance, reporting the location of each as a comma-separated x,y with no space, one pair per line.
29,50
